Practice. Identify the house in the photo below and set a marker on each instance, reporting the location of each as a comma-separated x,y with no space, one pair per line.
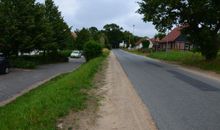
175,40
155,42
139,43
123,45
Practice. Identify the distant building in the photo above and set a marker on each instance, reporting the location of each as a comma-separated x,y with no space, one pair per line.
74,35
139,43
175,40
155,42
123,45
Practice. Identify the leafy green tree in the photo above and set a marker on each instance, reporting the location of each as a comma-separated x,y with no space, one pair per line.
83,36
99,36
43,29
160,35
128,37
114,34
27,25
92,49
61,31
17,23
94,33
146,44
201,19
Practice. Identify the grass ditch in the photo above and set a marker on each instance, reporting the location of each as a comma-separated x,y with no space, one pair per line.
40,108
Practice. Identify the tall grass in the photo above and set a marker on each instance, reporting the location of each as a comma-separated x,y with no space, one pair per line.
188,58
40,108
178,56
185,58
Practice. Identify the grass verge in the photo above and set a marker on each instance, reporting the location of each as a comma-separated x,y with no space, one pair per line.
185,58
40,108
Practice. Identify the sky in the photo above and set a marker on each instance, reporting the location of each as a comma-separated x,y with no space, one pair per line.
97,13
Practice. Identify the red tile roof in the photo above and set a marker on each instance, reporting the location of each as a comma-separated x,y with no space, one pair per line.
173,35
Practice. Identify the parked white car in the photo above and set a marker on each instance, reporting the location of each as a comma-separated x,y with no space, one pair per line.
76,54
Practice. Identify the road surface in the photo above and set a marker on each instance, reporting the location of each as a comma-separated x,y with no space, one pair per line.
18,81
176,99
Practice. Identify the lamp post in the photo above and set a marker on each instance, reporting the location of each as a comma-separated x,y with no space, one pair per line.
133,28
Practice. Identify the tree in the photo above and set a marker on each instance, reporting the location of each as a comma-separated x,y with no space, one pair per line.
27,25
83,36
128,37
94,33
114,34
200,19
17,22
99,36
43,30
146,44
160,35
61,31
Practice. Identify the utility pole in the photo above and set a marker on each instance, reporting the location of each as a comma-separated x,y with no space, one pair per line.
133,28
133,33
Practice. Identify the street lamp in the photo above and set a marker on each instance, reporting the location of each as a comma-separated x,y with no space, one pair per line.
133,29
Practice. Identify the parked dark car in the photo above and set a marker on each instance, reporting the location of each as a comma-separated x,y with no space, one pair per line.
4,64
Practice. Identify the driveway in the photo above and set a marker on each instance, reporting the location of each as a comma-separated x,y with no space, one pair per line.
19,80
176,99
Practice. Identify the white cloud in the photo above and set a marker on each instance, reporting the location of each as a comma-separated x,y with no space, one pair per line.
87,13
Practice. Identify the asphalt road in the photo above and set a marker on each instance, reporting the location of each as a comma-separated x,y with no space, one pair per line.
18,80
177,100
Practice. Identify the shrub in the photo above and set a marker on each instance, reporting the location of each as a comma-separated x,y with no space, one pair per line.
92,50
105,51
22,63
65,53
146,44
31,62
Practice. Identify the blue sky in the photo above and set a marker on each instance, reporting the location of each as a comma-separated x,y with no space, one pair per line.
87,13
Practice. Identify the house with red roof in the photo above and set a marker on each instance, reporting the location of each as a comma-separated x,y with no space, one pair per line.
152,41
175,40
155,42
139,43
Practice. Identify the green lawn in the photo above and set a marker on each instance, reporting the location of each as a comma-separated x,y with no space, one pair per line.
185,58
40,108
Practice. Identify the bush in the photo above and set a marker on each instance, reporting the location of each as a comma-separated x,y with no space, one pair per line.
31,62
146,44
65,53
22,63
92,50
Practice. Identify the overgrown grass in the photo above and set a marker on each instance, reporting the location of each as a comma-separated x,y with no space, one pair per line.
177,56
40,108
137,52
189,59
184,58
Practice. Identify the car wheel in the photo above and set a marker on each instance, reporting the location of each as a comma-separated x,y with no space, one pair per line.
6,71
